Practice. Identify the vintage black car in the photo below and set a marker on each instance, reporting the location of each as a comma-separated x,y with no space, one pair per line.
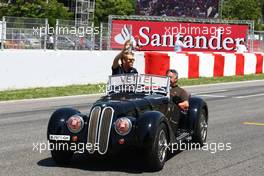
136,112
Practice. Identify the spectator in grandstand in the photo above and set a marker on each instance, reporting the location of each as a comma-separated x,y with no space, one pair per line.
186,8
179,44
178,95
126,57
241,47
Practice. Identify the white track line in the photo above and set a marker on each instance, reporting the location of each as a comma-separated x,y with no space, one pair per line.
52,98
210,95
248,96
225,83
209,92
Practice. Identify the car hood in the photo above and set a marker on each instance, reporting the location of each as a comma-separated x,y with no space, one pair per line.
130,104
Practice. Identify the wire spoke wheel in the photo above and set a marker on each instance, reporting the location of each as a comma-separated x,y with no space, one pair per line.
162,145
156,157
200,134
203,127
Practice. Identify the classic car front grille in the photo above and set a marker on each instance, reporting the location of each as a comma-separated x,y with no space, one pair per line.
99,129
104,132
93,127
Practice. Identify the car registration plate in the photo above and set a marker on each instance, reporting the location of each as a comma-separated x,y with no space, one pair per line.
59,137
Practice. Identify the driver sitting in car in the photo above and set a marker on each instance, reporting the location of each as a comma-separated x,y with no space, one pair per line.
177,94
126,56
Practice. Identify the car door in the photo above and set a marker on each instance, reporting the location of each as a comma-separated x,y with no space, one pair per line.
174,115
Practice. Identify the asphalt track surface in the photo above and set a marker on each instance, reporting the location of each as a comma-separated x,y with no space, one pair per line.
236,117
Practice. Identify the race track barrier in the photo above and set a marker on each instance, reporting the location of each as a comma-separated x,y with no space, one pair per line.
37,68
195,65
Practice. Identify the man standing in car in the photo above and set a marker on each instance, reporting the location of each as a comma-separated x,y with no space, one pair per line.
178,94
126,57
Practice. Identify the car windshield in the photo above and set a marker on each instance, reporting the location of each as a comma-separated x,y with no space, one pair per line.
147,84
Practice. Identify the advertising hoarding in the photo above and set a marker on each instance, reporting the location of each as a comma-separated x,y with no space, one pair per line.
161,36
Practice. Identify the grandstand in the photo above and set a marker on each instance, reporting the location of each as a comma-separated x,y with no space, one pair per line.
179,8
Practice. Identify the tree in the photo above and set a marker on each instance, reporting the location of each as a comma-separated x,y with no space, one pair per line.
104,8
55,10
39,9
243,10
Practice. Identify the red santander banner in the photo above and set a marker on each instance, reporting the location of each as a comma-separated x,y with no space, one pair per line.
161,36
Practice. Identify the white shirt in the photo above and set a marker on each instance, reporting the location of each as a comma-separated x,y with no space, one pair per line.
179,45
51,40
240,48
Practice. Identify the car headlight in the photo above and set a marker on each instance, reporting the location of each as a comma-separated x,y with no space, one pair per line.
75,124
123,126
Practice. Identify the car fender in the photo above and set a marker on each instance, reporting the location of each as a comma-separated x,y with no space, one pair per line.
196,105
57,122
147,124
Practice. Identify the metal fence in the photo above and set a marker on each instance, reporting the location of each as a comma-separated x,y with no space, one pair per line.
22,33
34,33
258,42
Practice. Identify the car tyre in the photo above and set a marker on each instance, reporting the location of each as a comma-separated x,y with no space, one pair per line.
200,134
158,154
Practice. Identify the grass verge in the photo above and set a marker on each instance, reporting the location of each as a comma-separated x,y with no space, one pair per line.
98,88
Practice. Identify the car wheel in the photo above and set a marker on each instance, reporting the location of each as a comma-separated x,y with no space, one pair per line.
158,153
201,131
61,157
